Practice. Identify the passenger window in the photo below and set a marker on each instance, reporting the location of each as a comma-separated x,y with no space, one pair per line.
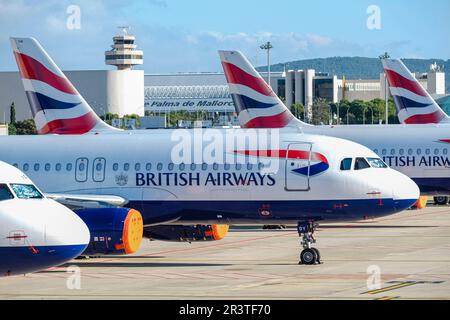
98,167
375,150
36,167
69,167
5,193
137,167
215,167
193,166
115,166
445,151
384,152
410,151
392,151
15,165
226,166
159,166
126,167
249,166
361,163
148,166
419,152
346,164
204,166
47,167
436,151
26,167
401,152
427,151
182,166
170,166
58,167
238,166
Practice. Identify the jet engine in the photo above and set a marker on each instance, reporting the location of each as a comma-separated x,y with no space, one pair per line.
113,230
181,233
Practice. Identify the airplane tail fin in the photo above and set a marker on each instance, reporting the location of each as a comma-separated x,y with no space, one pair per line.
255,102
56,105
413,103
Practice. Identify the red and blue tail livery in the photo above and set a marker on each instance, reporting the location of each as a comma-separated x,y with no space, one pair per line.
413,103
57,107
254,100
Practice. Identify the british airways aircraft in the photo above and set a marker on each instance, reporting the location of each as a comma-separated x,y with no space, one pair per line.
190,184
35,233
420,151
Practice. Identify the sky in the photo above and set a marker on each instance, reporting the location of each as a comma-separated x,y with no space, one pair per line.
184,35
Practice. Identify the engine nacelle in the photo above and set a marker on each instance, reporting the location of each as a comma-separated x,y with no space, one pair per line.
180,233
113,230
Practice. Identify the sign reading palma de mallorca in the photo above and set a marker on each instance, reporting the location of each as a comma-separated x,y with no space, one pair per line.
211,105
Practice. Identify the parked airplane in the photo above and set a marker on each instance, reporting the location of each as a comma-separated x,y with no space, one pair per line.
223,177
35,233
413,103
424,157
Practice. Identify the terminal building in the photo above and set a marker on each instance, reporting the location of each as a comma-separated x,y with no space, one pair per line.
127,91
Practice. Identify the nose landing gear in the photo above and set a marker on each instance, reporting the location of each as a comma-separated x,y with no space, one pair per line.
309,255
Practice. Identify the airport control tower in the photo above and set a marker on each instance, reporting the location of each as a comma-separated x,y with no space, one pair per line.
125,86
123,54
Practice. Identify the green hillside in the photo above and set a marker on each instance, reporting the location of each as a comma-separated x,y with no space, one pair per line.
358,67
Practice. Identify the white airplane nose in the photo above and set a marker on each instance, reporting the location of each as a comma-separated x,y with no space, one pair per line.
404,190
66,228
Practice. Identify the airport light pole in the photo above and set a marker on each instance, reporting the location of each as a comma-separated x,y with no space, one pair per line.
267,46
386,95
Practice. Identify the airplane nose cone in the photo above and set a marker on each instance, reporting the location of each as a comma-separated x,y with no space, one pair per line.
66,233
405,191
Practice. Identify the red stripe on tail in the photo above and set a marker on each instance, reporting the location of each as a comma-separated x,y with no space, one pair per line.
236,75
398,81
78,125
32,69
277,121
434,117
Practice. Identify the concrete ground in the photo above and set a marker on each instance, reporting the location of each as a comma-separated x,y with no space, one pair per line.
411,250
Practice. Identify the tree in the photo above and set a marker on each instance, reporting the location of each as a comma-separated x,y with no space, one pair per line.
320,111
25,127
298,110
12,114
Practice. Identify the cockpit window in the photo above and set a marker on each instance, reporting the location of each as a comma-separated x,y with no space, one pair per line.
377,163
346,164
5,193
26,191
361,163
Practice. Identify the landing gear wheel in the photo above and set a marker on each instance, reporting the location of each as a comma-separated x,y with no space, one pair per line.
308,257
440,200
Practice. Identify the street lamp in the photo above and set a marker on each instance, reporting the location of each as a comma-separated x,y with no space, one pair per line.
364,113
382,57
267,46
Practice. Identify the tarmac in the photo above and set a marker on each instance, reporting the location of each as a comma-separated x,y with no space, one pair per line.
403,256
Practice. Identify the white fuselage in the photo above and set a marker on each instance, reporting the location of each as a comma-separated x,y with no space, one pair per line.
140,167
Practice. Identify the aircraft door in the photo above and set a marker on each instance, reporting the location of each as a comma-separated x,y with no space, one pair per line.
98,169
81,169
297,166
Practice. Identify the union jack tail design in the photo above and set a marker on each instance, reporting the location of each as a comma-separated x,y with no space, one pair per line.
56,105
255,102
414,104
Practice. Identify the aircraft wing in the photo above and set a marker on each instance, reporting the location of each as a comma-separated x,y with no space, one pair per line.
87,200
